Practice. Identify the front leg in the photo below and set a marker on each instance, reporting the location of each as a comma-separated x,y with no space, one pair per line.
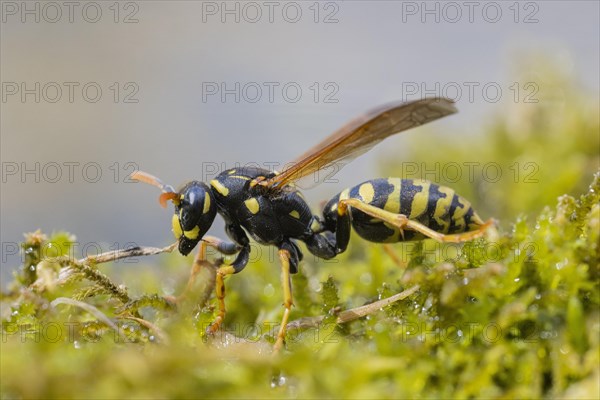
200,261
239,236
284,257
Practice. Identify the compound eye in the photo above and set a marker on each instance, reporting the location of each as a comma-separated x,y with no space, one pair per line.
191,207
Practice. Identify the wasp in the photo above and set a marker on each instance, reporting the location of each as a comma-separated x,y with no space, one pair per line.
267,206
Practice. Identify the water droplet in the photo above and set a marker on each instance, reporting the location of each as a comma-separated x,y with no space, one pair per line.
169,287
538,296
152,338
366,278
465,281
15,312
76,344
269,290
517,279
314,284
278,381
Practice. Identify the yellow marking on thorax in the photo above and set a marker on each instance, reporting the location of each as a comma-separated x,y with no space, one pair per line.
420,199
315,226
252,205
240,177
295,214
206,204
219,187
193,234
392,203
442,206
176,226
366,192
232,172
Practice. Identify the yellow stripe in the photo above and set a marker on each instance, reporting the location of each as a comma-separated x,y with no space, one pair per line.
459,214
420,200
193,234
394,237
476,220
240,177
442,206
315,226
366,192
392,203
206,204
252,205
219,187
176,226
295,214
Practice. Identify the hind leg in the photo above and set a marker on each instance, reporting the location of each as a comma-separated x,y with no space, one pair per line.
402,222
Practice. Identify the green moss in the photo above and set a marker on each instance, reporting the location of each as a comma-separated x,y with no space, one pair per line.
517,317
511,315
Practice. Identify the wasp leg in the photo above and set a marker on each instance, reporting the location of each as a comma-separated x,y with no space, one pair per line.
284,258
222,246
394,256
239,264
200,261
402,222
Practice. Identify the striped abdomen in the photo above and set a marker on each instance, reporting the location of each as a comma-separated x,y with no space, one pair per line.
434,206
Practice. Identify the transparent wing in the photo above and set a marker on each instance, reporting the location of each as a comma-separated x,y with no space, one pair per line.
358,136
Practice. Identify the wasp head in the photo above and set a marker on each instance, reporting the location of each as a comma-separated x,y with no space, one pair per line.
195,209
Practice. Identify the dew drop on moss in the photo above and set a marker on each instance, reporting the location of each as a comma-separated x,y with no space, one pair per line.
278,381
269,290
366,278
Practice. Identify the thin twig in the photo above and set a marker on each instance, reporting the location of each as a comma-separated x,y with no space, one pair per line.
353,314
126,253
89,308
84,266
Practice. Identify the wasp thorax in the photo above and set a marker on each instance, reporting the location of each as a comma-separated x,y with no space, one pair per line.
195,211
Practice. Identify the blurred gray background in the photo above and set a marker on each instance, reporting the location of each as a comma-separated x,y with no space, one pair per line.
161,67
